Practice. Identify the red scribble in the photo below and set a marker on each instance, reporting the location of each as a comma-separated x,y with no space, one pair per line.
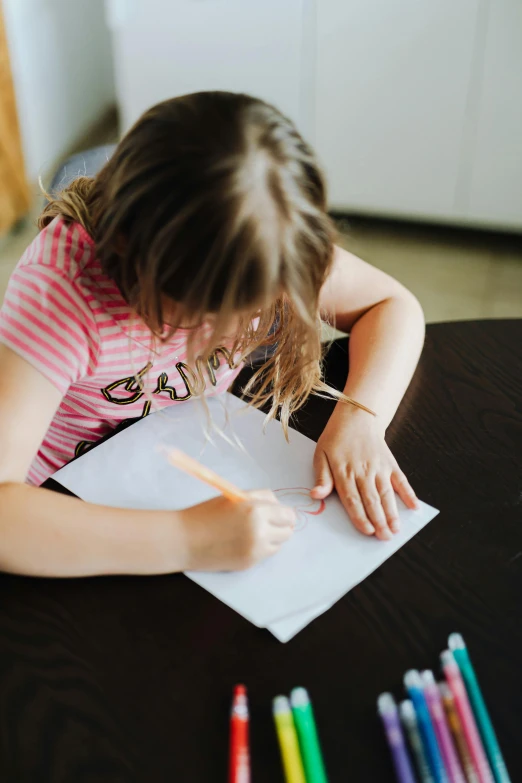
302,508
322,506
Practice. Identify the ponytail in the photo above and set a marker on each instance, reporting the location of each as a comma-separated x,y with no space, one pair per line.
73,204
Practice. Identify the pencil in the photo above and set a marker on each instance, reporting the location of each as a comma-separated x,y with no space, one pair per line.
194,468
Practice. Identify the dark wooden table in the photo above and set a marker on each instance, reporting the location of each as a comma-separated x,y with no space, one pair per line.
129,679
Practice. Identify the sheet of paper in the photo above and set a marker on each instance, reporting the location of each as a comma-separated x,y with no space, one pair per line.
284,630
326,556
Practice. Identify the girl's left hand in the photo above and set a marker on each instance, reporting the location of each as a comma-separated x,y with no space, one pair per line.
352,457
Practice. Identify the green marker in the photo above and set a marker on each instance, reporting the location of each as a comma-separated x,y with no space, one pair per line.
460,653
308,739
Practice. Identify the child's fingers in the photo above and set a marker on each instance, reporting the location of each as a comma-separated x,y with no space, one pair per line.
278,534
373,506
324,482
283,516
351,500
402,487
388,501
262,496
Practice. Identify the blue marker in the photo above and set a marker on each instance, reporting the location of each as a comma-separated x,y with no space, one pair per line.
413,684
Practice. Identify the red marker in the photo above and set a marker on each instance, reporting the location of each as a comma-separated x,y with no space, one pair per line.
239,771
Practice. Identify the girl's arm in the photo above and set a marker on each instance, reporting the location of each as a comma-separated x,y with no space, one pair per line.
43,533
386,328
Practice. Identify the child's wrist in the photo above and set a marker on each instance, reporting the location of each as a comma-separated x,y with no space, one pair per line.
188,538
163,548
350,415
178,543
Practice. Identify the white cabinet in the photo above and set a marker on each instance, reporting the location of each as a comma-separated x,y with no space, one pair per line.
495,167
164,48
392,86
414,106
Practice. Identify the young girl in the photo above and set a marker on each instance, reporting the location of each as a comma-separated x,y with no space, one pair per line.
204,238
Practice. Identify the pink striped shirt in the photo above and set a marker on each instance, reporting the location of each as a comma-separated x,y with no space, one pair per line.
70,322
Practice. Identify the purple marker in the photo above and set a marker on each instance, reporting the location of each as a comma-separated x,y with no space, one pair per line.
387,709
436,708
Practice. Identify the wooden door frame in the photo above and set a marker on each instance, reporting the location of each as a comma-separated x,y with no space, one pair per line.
14,189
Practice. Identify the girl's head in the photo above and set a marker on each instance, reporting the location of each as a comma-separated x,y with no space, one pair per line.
213,209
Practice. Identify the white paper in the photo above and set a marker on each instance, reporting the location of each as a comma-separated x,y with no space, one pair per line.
286,629
325,557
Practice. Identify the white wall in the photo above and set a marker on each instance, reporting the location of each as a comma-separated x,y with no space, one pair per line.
186,46
495,174
61,59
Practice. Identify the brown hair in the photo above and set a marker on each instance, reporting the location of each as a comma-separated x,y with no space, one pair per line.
215,201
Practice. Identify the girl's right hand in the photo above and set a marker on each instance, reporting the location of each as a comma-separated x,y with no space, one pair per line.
223,535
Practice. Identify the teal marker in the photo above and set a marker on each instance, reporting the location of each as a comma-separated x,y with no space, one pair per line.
308,739
460,653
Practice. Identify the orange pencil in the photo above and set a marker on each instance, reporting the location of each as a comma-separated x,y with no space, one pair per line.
194,468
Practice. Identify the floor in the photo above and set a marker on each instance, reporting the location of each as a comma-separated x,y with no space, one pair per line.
456,274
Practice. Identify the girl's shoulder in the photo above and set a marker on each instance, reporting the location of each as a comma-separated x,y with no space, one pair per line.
62,247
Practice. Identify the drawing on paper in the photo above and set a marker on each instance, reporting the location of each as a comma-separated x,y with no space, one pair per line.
299,499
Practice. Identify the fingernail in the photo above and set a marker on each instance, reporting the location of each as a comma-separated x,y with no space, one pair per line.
395,526
369,529
385,535
319,491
